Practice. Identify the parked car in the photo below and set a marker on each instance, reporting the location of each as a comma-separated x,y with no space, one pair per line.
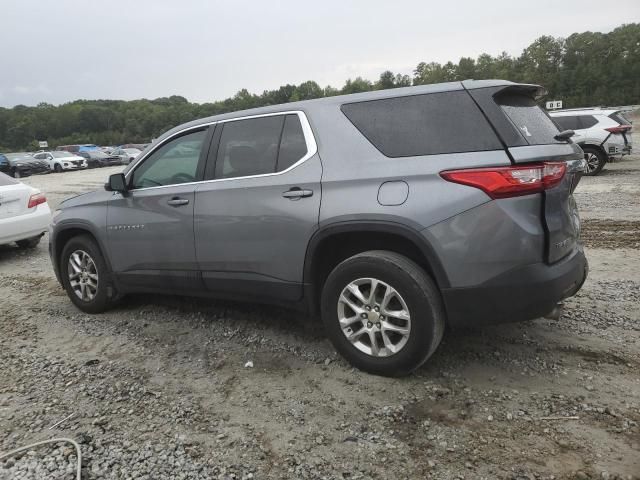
78,148
402,211
602,133
22,164
97,158
60,160
126,155
139,146
24,213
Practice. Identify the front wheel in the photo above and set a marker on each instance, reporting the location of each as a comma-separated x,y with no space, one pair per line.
382,312
57,168
16,173
85,275
595,160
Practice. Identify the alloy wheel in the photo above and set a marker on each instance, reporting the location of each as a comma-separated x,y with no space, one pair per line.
374,317
592,162
83,275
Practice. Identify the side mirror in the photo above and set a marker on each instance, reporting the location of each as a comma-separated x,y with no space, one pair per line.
116,183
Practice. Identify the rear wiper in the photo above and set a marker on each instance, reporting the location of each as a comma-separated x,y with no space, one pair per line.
565,135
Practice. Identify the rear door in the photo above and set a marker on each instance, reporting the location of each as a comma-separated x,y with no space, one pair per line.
528,133
254,218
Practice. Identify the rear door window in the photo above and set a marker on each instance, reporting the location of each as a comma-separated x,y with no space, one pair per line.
567,123
293,146
533,123
447,122
249,147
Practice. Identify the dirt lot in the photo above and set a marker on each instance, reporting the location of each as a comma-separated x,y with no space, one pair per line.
158,386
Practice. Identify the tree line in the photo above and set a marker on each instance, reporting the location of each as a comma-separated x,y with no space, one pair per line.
585,69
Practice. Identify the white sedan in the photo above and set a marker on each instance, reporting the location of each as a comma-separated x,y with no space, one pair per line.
24,213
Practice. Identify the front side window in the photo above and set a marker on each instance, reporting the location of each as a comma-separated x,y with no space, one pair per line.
249,147
173,163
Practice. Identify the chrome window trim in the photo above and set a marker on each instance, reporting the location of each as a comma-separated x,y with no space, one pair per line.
312,148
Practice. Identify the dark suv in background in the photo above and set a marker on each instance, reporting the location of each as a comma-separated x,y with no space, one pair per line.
391,214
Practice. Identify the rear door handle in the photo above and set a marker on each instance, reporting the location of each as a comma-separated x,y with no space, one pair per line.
296,193
177,201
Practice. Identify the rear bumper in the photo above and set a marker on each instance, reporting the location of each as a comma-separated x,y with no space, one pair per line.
25,226
522,294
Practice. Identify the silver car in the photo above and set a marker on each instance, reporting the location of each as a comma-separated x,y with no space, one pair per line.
389,215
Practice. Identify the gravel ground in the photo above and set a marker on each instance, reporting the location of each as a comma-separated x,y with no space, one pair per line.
158,387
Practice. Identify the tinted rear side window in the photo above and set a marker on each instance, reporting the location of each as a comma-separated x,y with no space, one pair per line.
293,146
532,122
587,121
447,122
249,147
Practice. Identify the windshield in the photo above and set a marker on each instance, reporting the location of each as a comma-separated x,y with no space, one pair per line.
132,151
97,154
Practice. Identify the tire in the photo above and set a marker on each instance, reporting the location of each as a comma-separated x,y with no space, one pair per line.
16,173
596,160
101,300
57,168
29,242
415,290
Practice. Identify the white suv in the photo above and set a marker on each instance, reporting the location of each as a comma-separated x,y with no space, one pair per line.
60,160
602,133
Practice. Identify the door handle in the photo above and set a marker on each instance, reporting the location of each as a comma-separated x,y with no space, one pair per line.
296,193
177,201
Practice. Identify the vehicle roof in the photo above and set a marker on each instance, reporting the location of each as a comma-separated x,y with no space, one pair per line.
307,105
588,111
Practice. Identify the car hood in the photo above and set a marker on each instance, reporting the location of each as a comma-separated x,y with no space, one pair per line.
97,196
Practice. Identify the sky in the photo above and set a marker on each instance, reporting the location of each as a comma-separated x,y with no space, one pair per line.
63,50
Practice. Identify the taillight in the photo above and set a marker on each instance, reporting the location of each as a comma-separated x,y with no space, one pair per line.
504,182
36,199
619,129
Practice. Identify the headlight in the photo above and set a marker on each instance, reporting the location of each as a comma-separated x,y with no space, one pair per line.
19,164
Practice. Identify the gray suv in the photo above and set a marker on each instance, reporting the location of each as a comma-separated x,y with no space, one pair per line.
388,214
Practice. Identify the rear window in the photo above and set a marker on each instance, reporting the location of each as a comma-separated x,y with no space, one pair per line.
620,118
447,122
532,122
7,180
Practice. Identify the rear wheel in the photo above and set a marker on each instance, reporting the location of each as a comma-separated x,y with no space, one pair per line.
29,242
595,160
85,275
382,312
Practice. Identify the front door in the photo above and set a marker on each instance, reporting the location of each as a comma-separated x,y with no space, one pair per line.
254,219
150,228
